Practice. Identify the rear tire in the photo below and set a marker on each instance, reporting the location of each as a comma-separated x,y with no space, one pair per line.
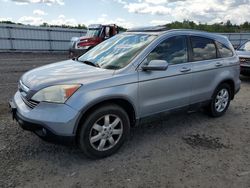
104,131
220,100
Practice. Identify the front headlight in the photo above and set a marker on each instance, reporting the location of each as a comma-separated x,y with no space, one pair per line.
57,93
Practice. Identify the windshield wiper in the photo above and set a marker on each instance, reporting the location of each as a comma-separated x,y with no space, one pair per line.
89,63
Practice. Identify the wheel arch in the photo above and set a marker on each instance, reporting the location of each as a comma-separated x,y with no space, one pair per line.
231,83
126,104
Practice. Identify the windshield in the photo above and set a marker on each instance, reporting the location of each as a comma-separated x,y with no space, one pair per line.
118,51
245,46
92,32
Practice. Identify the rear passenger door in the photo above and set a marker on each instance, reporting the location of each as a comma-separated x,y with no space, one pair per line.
205,67
164,90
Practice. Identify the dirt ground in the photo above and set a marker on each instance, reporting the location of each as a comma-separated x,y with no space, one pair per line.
181,150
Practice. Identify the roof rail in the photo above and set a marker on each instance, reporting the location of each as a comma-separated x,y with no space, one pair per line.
148,29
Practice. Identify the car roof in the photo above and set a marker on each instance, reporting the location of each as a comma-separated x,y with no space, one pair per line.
162,30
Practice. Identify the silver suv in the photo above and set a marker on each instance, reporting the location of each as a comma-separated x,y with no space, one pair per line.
244,54
95,100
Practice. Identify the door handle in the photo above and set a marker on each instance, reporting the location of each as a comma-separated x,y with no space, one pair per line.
185,69
218,64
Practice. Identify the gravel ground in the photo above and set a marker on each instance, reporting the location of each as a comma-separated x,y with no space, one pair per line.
181,150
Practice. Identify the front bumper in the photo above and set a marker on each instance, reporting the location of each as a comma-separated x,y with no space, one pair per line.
50,122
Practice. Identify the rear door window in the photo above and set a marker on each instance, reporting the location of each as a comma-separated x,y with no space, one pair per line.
202,48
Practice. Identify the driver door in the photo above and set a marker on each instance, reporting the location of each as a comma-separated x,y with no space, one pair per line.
168,89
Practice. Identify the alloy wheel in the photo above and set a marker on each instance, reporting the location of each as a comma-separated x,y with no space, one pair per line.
106,132
221,100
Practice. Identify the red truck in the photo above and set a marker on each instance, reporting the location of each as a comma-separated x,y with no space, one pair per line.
95,35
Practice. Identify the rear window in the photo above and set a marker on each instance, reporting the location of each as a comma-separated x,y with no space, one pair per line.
203,48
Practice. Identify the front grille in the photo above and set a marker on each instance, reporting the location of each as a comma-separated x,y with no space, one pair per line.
23,89
244,60
30,103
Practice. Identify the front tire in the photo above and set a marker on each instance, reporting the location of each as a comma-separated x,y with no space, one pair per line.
220,101
104,131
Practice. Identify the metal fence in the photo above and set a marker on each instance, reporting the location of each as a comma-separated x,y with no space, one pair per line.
31,38
237,38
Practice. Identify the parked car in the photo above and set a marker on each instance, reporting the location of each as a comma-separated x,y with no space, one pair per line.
96,34
244,54
72,45
97,98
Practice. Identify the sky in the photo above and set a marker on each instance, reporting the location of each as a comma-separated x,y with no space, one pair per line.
131,13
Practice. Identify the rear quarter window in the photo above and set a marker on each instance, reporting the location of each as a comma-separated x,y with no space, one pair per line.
203,48
223,50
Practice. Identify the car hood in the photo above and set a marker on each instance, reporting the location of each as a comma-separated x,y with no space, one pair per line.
65,72
88,38
85,37
245,54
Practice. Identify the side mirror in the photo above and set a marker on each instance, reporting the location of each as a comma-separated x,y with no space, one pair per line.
156,65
